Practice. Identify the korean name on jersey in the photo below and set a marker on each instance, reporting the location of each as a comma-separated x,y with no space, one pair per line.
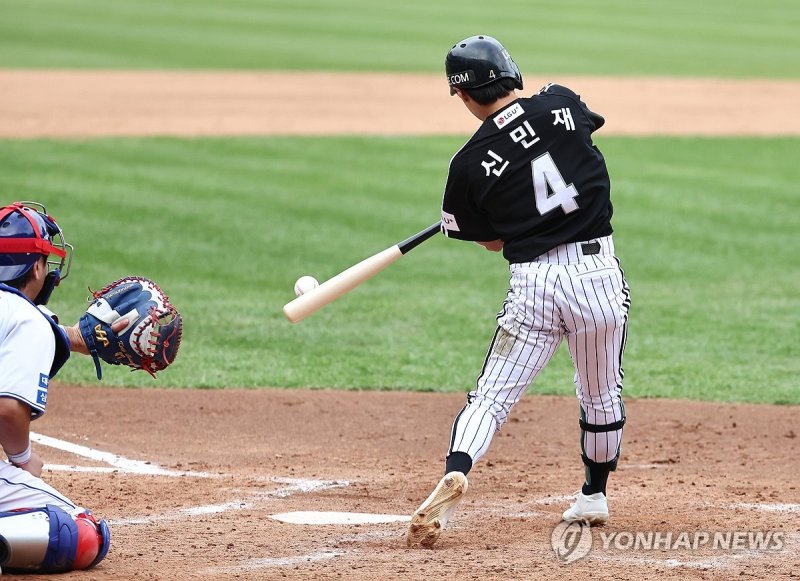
540,145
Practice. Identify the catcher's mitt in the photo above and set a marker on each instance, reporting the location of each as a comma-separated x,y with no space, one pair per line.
151,338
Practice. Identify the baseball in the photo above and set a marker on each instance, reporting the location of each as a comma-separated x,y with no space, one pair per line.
305,284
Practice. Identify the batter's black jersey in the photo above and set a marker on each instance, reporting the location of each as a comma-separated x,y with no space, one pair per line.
530,176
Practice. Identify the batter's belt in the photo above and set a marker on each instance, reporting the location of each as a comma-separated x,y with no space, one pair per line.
574,252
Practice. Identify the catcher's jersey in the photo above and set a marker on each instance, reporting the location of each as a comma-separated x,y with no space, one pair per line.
32,349
530,176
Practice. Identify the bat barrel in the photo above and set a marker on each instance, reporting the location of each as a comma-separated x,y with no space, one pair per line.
310,302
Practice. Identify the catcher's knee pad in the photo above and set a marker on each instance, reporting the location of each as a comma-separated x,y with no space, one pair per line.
94,540
50,540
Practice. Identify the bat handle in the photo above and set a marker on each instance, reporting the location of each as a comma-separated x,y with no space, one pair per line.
411,243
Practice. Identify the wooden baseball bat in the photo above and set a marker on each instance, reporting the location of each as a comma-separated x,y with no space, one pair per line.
330,290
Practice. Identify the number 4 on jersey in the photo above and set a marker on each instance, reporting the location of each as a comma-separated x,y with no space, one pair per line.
549,187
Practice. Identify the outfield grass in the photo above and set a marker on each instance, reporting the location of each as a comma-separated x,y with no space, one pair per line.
706,230
720,38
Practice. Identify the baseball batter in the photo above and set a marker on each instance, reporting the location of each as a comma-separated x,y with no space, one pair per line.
531,183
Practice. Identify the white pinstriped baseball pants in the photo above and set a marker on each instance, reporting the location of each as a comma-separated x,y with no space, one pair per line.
563,293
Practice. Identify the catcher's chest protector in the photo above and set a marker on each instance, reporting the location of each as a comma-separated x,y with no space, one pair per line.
62,343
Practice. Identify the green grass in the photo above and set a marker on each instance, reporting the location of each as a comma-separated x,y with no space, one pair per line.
719,38
706,229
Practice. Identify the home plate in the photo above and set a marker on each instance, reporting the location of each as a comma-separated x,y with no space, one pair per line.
312,517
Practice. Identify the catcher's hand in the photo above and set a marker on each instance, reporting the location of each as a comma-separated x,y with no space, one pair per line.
151,338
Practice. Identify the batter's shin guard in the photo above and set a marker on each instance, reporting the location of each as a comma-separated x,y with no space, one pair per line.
597,472
50,540
597,475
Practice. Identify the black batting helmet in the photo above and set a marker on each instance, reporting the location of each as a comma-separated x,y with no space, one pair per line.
477,61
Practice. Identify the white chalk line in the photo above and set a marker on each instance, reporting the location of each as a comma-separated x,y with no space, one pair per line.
527,514
716,562
182,513
294,486
767,506
303,485
265,562
547,500
567,499
120,463
274,562
373,535
86,469
322,517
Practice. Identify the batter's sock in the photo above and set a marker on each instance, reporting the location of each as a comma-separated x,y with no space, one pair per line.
598,477
458,462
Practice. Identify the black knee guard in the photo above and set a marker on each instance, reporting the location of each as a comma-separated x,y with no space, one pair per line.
597,472
596,429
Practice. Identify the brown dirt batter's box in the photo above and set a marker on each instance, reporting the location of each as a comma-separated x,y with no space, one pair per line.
686,467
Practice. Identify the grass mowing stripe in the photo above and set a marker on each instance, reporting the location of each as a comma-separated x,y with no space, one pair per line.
714,38
706,229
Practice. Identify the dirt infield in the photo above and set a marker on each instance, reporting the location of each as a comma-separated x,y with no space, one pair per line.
191,479
92,103
223,462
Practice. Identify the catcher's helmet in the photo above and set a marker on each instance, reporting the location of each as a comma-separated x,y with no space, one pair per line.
26,234
477,61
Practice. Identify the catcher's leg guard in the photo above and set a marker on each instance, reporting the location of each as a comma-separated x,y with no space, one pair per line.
104,536
50,540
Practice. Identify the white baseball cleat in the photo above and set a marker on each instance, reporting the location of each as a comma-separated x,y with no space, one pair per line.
591,509
433,514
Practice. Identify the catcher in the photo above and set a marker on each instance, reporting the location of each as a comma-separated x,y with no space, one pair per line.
129,322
